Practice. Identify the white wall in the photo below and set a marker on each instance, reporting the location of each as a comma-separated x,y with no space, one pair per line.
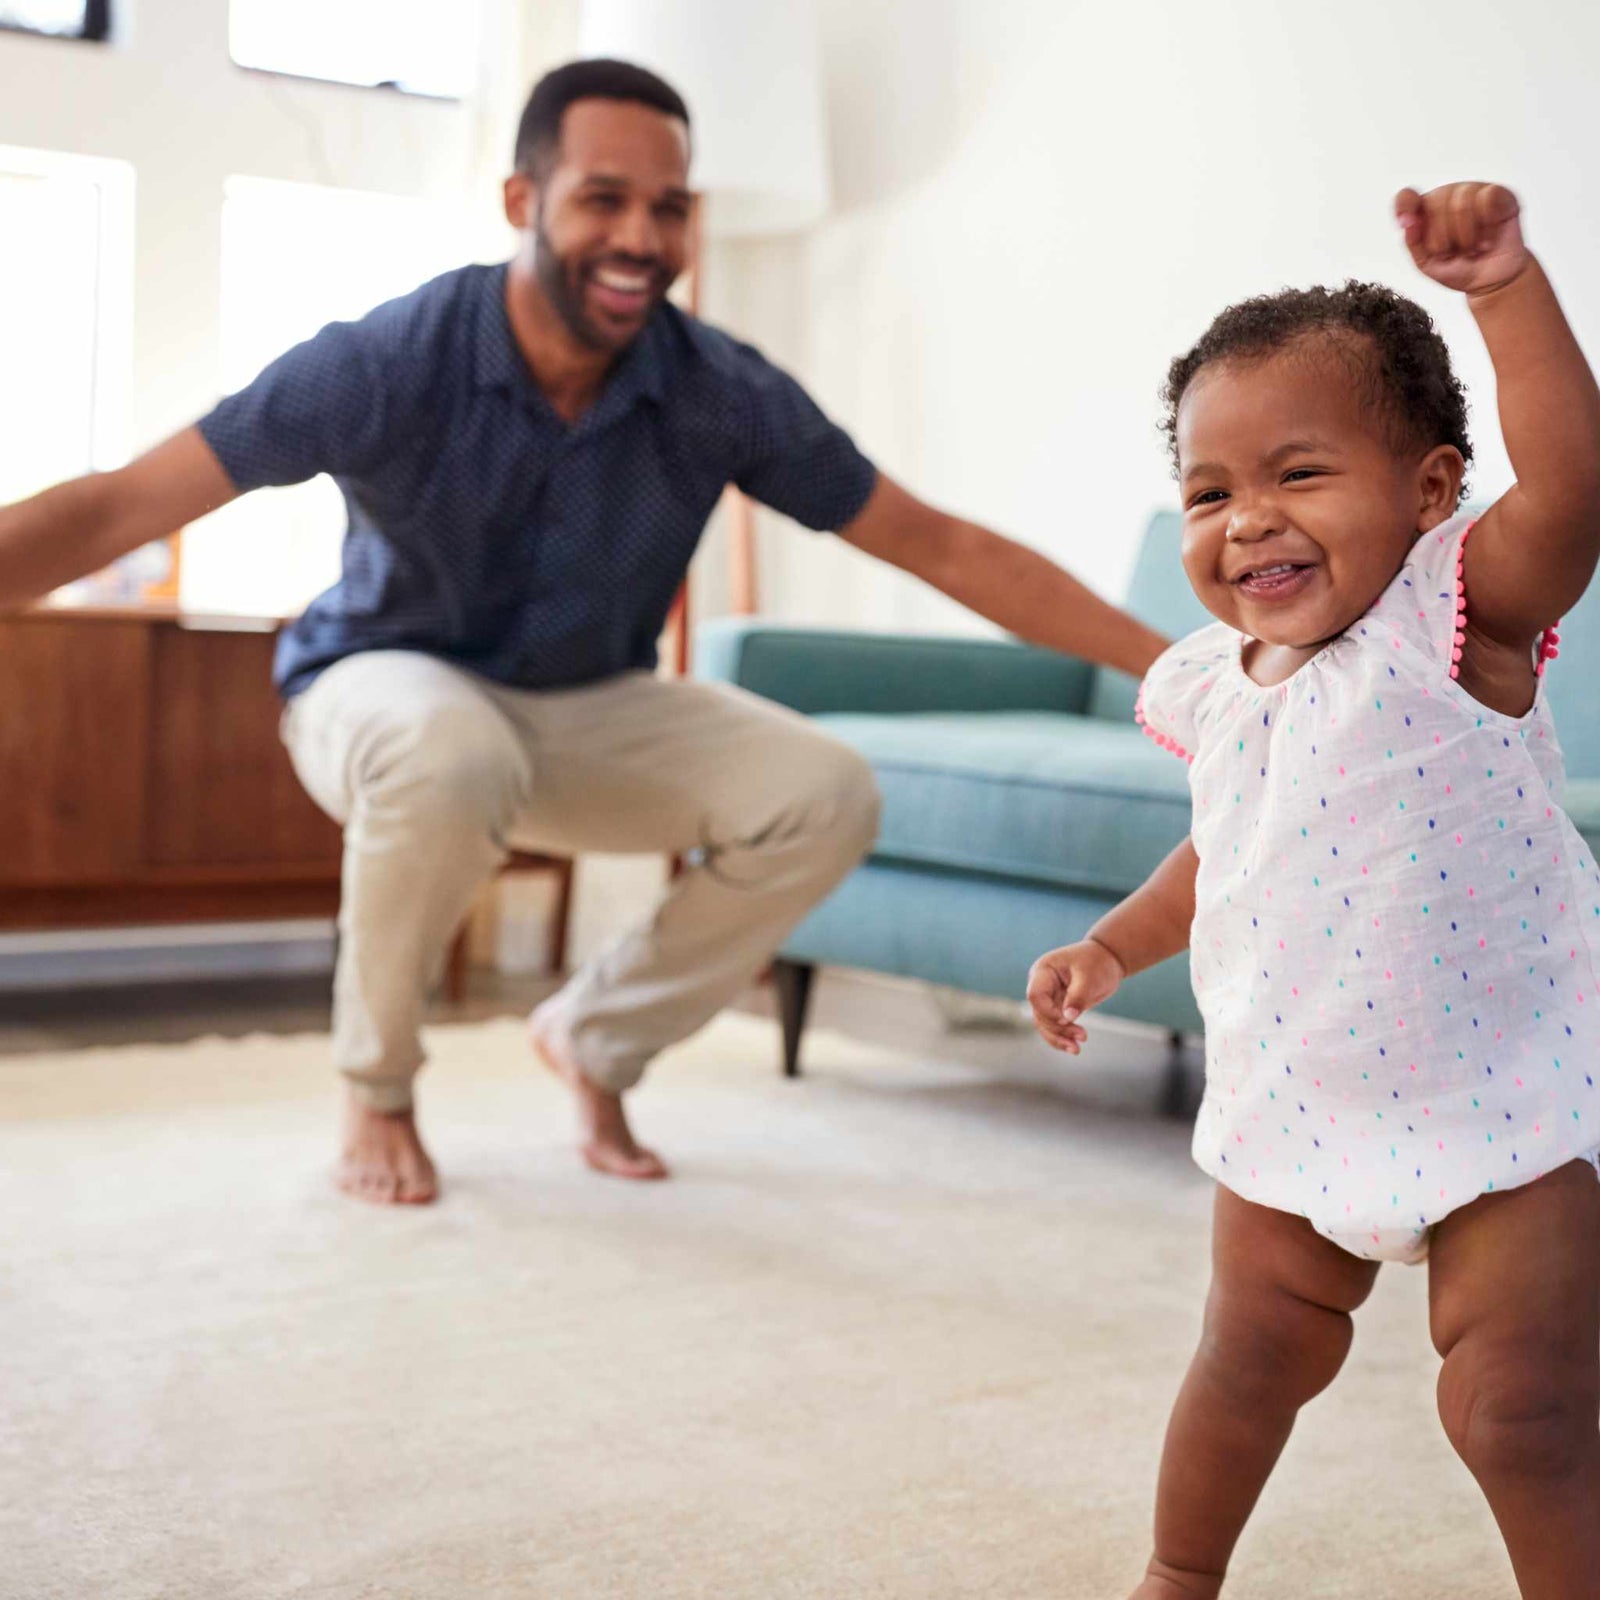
1040,202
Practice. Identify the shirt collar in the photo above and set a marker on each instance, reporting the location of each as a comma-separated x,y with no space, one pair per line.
498,363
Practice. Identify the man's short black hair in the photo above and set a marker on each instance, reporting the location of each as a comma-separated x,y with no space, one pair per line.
1398,358
539,132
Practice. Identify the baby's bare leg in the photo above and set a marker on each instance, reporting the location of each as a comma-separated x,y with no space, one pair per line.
1277,1328
1514,1290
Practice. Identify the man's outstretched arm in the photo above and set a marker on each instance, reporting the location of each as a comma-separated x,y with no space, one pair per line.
85,524
999,579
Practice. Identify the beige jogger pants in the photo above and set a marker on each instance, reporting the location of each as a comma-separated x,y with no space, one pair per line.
434,772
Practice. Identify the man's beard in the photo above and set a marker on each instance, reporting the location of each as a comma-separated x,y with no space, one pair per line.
550,273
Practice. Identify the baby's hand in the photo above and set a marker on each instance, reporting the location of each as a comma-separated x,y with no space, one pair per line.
1064,984
1463,235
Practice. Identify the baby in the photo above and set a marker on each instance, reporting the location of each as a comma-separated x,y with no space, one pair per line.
1394,930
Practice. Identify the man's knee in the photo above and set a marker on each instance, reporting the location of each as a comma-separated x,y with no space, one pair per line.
1514,1408
848,801
836,811
447,761
1268,1348
814,793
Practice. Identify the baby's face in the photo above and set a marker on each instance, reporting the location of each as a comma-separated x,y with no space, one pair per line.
1296,512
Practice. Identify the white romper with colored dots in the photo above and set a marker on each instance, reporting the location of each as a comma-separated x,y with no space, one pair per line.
1396,939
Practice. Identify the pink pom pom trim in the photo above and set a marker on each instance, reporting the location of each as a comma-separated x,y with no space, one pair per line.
1461,604
1547,646
1163,740
1548,640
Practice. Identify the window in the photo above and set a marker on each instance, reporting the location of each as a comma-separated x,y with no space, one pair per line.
295,257
419,46
65,317
64,19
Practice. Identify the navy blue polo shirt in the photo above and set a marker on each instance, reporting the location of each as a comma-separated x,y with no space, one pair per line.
486,530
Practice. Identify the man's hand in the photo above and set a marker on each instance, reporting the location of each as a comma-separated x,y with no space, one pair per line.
86,523
1464,235
1067,982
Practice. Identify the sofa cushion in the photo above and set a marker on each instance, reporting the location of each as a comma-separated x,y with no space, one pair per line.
1040,797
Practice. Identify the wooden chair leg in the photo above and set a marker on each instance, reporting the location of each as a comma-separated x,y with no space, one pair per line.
561,917
455,967
792,981
457,960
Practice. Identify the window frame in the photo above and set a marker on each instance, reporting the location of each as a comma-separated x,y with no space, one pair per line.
381,86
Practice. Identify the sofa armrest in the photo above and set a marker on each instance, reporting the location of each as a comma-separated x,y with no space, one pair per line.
816,670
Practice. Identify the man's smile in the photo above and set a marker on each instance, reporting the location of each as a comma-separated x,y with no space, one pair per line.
623,292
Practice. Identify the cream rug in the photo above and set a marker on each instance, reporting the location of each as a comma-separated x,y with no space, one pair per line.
898,1330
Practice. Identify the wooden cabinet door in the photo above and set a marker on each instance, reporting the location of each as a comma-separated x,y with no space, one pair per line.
220,790
73,707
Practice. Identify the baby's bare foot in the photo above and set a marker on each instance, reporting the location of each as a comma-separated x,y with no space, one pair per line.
382,1159
607,1143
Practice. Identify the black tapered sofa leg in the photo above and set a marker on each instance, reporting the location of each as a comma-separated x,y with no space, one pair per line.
792,981
1177,1099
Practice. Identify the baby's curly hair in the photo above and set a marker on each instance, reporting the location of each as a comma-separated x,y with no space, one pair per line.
1396,355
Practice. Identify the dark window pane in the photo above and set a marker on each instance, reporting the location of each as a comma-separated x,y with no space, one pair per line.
66,19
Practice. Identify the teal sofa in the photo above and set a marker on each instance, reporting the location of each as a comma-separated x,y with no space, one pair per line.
1020,798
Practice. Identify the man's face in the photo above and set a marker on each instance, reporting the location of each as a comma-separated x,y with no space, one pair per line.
610,221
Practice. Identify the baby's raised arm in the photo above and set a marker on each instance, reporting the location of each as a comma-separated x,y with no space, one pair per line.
1531,555
1147,927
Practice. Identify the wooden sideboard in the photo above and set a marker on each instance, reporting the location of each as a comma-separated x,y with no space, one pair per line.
141,775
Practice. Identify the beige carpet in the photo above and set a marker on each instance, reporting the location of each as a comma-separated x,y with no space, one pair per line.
899,1330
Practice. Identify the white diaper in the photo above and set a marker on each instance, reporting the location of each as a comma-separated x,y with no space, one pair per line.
1406,1245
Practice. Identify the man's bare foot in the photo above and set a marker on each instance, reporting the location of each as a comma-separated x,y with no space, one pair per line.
607,1144
382,1159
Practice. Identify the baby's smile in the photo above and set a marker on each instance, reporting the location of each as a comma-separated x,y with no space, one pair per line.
1275,582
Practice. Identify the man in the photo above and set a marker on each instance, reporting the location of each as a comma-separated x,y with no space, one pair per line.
529,453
